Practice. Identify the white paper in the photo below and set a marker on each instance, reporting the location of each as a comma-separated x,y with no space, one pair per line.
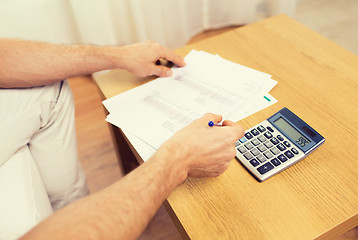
153,112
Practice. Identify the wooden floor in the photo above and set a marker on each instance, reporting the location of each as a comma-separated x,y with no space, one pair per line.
98,158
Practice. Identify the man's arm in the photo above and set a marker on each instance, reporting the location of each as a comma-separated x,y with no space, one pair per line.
123,210
31,63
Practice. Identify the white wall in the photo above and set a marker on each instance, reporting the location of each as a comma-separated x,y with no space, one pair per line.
118,22
46,20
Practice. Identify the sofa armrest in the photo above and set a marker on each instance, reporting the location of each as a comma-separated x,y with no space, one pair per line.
24,201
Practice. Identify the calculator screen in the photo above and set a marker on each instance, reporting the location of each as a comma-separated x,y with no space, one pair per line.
291,132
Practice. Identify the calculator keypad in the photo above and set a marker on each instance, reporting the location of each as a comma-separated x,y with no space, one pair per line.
265,151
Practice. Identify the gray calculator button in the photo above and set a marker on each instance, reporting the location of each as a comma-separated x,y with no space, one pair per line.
282,158
242,149
248,146
261,128
255,142
248,135
268,154
289,154
274,141
261,158
281,147
237,143
262,138
255,152
270,129
262,148
248,155
294,150
275,151
287,144
275,162
254,162
268,144
265,168
280,138
255,132
268,135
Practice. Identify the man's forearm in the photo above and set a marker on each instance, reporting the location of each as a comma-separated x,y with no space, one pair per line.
121,211
30,63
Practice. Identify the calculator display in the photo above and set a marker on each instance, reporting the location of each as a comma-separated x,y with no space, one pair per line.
291,132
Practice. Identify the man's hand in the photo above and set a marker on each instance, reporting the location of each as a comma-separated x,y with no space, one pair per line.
205,151
119,211
141,59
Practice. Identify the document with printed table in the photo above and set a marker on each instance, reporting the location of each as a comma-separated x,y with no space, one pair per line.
151,113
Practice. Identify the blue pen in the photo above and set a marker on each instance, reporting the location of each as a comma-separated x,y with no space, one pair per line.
211,123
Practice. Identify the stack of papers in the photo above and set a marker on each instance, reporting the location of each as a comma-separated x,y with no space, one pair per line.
151,113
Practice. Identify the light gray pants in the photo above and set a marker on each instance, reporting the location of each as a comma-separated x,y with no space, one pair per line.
42,119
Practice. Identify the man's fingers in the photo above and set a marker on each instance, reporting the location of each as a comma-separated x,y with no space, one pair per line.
228,123
207,117
211,117
169,55
239,131
162,71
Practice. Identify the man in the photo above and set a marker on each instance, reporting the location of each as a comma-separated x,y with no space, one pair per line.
122,210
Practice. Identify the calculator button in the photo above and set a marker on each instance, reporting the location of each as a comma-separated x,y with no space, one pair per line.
261,158
248,135
287,144
261,138
265,168
281,147
294,150
275,162
254,162
255,142
248,156
268,135
248,145
282,158
261,128
255,132
274,141
255,152
275,151
289,154
268,154
242,140
237,143
268,144
280,138
270,129
262,148
241,149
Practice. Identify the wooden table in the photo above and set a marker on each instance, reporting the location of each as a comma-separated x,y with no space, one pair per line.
316,198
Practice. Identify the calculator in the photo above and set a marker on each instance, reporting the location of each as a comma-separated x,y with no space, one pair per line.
276,144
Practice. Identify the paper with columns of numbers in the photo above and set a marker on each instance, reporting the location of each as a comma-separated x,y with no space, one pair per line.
151,113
